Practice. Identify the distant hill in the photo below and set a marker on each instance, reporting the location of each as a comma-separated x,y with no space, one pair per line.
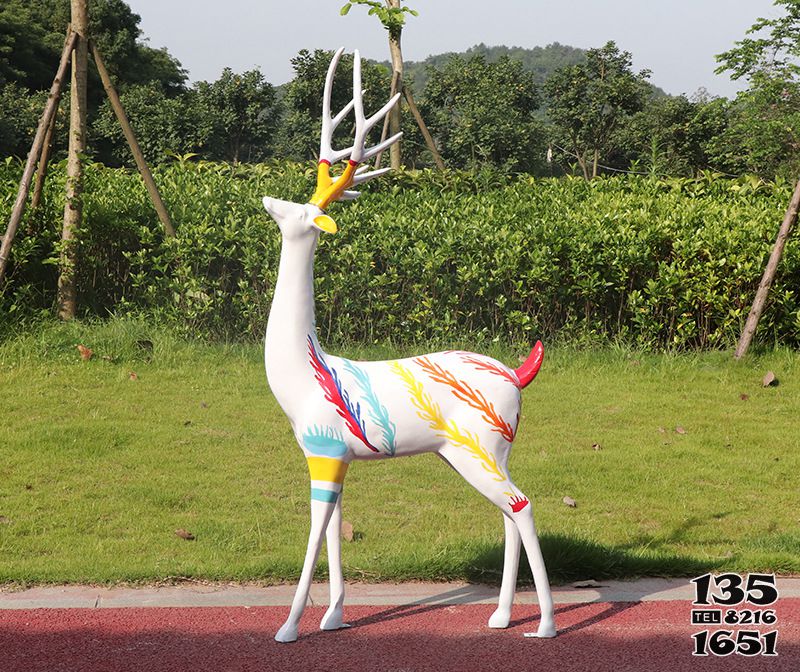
541,61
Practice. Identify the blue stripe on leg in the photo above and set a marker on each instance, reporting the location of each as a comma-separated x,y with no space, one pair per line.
324,495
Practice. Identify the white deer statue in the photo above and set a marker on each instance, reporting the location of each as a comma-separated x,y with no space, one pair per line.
461,406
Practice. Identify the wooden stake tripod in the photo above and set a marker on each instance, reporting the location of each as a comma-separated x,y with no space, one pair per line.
76,48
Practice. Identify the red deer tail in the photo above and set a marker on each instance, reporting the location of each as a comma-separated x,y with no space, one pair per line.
530,367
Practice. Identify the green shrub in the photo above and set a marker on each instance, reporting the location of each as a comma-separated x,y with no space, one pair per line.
450,257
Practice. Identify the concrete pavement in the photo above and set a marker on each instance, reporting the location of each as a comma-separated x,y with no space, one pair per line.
366,594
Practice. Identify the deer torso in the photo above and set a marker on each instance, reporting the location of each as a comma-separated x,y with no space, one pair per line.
366,410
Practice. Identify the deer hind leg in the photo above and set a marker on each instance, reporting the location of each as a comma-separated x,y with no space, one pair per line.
333,619
518,511
502,615
327,475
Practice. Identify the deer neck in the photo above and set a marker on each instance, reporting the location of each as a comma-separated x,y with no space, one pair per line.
291,317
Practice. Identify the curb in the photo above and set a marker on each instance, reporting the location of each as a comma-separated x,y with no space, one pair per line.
371,594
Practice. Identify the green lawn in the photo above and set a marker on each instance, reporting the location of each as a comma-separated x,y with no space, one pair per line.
98,470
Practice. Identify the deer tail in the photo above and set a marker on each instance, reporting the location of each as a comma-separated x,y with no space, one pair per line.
530,367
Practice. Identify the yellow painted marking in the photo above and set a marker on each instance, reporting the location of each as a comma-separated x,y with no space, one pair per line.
327,469
430,411
323,182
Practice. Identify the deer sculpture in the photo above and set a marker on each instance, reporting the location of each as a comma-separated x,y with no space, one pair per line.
462,406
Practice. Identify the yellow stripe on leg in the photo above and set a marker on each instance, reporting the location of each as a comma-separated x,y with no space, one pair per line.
326,469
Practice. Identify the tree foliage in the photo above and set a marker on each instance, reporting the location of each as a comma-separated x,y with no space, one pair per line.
239,113
485,113
763,133
672,135
589,102
32,37
231,119
773,51
393,18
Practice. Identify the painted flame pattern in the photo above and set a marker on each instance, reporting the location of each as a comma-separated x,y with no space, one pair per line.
490,367
464,391
329,381
430,411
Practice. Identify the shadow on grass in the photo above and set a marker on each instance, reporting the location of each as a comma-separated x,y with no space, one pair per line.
572,559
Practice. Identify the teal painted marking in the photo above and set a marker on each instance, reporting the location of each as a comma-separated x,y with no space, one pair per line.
378,411
321,495
324,442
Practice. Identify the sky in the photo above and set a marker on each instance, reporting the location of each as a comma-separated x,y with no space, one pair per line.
677,40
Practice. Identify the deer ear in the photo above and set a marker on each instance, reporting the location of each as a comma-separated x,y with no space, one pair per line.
325,223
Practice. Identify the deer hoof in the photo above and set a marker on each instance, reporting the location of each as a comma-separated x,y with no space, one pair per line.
333,619
500,618
545,631
287,634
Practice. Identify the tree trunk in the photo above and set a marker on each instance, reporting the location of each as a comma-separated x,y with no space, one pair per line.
397,75
136,150
581,162
73,210
595,162
769,275
36,150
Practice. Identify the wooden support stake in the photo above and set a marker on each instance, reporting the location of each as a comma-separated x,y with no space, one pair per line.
41,171
141,164
437,158
769,275
36,150
385,131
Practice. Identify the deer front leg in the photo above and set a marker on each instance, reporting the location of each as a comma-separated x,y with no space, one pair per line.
333,617
502,615
321,512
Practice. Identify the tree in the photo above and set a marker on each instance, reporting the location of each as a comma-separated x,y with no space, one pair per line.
32,35
485,113
589,102
240,113
763,135
31,40
672,134
162,125
772,56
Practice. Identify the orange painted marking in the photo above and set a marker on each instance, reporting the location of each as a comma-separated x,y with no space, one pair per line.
463,391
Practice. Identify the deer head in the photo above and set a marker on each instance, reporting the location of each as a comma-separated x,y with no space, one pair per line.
296,220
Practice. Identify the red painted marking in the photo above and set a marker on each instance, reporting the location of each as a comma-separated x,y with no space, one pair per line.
332,394
325,161
518,503
599,636
352,163
530,367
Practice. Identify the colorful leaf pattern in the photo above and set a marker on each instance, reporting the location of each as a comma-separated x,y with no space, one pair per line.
490,367
378,411
329,381
465,392
430,411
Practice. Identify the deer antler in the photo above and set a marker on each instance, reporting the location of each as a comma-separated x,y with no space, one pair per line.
328,189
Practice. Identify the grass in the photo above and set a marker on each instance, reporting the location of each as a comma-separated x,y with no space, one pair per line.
97,470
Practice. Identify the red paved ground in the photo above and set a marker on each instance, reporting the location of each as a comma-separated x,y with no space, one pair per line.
618,637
